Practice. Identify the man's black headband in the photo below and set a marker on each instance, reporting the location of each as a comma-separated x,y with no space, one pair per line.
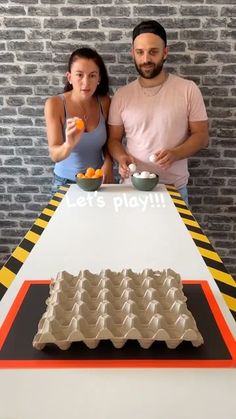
150,26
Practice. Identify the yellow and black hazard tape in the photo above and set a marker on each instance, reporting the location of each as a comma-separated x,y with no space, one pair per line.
20,254
224,280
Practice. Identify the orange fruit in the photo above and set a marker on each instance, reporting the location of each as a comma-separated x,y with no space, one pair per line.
80,175
90,172
99,173
79,124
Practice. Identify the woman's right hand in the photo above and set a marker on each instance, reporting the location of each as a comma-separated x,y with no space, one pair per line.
73,134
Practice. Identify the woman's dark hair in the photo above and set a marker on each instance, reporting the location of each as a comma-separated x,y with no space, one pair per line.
90,54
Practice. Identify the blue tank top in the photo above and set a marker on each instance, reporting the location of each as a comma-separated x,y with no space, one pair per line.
88,153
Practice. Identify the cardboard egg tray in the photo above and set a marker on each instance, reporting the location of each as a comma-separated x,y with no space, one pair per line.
117,306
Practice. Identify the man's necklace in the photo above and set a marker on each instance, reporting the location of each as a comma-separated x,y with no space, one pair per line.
153,91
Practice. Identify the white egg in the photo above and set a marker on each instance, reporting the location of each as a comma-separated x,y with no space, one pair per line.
144,175
152,175
152,158
132,167
136,174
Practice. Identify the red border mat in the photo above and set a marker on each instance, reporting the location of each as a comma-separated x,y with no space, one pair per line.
222,326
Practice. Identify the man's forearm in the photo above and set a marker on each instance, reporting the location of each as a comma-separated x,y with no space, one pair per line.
116,149
191,146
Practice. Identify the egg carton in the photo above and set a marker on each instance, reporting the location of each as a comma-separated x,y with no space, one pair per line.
117,306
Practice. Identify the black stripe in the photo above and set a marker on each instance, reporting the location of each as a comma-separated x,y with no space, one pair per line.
51,207
187,216
215,264
13,264
45,217
180,205
195,229
57,198
171,189
226,289
37,229
204,245
62,190
26,245
3,289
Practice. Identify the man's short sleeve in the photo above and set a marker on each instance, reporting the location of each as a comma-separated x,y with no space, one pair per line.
196,106
115,117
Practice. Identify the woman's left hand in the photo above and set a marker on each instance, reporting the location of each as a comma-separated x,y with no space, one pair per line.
107,169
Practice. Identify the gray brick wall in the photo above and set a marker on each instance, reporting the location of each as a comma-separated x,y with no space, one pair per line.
36,38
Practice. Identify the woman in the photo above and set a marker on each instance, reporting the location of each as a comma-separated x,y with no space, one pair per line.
86,97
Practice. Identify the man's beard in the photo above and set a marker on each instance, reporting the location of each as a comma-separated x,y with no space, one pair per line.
151,73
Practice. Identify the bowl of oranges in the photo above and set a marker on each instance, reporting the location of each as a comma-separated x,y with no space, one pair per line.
91,180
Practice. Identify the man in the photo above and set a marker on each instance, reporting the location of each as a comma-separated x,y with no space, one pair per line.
161,115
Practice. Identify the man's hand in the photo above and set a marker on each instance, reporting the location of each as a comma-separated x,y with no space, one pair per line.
165,158
197,140
124,162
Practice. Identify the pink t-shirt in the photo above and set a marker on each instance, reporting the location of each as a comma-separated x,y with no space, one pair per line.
156,121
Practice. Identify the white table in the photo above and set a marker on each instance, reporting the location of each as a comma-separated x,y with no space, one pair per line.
116,228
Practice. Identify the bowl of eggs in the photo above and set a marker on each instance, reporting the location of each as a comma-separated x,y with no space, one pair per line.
91,180
144,181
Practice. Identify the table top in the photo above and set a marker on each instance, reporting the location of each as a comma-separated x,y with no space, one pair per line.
117,227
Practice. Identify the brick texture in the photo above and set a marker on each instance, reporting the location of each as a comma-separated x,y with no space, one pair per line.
36,39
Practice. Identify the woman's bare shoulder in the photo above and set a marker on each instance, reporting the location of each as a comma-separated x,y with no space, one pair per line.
105,103
54,105
54,101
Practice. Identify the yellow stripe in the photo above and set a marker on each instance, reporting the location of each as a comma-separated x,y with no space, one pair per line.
20,254
190,222
54,203
41,223
48,212
64,188
174,194
199,236
184,211
230,301
59,195
6,276
210,254
178,201
32,237
222,277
